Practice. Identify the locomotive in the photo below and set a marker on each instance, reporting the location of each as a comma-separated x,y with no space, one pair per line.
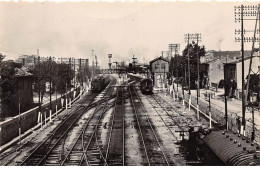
99,83
146,84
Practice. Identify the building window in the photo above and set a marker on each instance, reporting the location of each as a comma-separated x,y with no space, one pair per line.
156,65
163,65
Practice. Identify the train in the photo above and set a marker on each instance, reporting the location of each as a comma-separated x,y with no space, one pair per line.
99,83
146,84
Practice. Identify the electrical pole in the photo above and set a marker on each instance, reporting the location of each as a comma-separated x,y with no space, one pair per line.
19,109
248,12
93,64
81,81
134,62
187,39
109,64
74,74
96,61
39,91
225,95
50,69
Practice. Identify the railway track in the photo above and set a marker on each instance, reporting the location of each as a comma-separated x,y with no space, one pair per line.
94,155
180,120
154,152
115,154
158,103
86,149
53,142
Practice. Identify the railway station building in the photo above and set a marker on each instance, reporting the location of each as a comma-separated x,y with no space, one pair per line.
159,70
233,70
215,60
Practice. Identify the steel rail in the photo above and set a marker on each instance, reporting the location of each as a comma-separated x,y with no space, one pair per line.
158,102
157,140
139,127
86,146
162,118
123,131
80,136
111,128
118,97
50,138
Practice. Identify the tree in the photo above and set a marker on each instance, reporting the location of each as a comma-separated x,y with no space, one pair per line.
1,57
194,49
179,65
59,74
8,82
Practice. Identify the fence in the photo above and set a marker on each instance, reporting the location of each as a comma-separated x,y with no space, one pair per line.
9,129
218,115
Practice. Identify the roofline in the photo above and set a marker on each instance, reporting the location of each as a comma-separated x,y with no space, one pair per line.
159,58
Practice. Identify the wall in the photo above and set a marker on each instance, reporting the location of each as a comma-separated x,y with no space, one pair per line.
255,64
156,66
9,128
216,71
218,115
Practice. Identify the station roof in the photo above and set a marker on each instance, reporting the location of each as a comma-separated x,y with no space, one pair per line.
159,58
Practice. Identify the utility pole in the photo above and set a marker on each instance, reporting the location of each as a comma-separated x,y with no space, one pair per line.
249,12
187,38
176,48
74,79
109,64
81,81
93,64
225,95
19,109
39,91
50,69
96,61
134,62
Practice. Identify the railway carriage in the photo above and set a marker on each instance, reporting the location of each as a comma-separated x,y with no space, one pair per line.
99,83
146,84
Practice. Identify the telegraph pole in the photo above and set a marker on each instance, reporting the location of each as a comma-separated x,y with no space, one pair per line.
93,64
39,91
248,12
109,64
134,62
176,48
74,80
187,38
50,69
19,109
96,61
81,81
198,37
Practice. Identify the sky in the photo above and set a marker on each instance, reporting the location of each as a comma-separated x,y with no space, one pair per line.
143,29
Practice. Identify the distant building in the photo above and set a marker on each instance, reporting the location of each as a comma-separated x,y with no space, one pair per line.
234,71
159,69
215,62
222,55
23,94
29,61
79,63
